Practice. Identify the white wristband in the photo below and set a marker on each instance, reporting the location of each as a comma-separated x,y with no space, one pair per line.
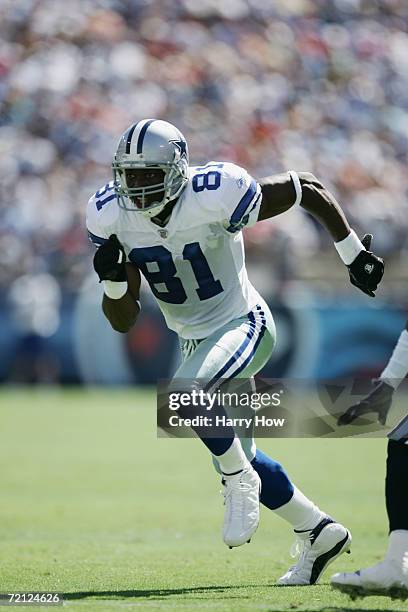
114,290
349,248
298,187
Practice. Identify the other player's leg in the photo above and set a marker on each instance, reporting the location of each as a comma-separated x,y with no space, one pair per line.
390,576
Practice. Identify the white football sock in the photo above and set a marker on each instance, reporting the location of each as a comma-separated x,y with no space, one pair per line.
397,367
300,512
233,460
398,547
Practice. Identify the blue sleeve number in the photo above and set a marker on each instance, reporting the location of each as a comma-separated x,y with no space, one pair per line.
165,271
206,180
100,203
104,190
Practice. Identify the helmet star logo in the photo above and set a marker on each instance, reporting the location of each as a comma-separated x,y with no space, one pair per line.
181,145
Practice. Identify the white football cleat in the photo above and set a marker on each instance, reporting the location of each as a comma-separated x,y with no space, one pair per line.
241,500
385,578
317,548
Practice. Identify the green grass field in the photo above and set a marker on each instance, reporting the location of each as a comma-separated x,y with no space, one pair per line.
94,506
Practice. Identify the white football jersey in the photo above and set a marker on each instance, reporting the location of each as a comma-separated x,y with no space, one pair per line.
195,265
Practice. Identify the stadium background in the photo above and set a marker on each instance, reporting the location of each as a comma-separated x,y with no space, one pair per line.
306,85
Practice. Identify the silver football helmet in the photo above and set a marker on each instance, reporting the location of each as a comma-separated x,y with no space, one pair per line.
150,167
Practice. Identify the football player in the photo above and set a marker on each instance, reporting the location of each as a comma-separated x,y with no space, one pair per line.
180,226
390,576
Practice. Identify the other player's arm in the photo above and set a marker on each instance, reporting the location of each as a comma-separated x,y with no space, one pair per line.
121,282
379,400
282,191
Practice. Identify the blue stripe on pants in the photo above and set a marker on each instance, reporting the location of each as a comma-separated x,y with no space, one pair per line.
250,334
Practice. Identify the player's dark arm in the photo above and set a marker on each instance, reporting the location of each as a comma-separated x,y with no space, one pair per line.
121,285
279,194
282,191
122,313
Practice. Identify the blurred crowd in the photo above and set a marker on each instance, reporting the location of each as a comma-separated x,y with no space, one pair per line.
317,85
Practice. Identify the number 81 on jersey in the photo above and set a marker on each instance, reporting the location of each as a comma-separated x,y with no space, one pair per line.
165,273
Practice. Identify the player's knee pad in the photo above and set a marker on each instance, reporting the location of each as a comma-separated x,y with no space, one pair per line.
395,484
276,489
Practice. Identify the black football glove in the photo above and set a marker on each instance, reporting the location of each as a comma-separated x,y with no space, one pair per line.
378,401
367,270
109,261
